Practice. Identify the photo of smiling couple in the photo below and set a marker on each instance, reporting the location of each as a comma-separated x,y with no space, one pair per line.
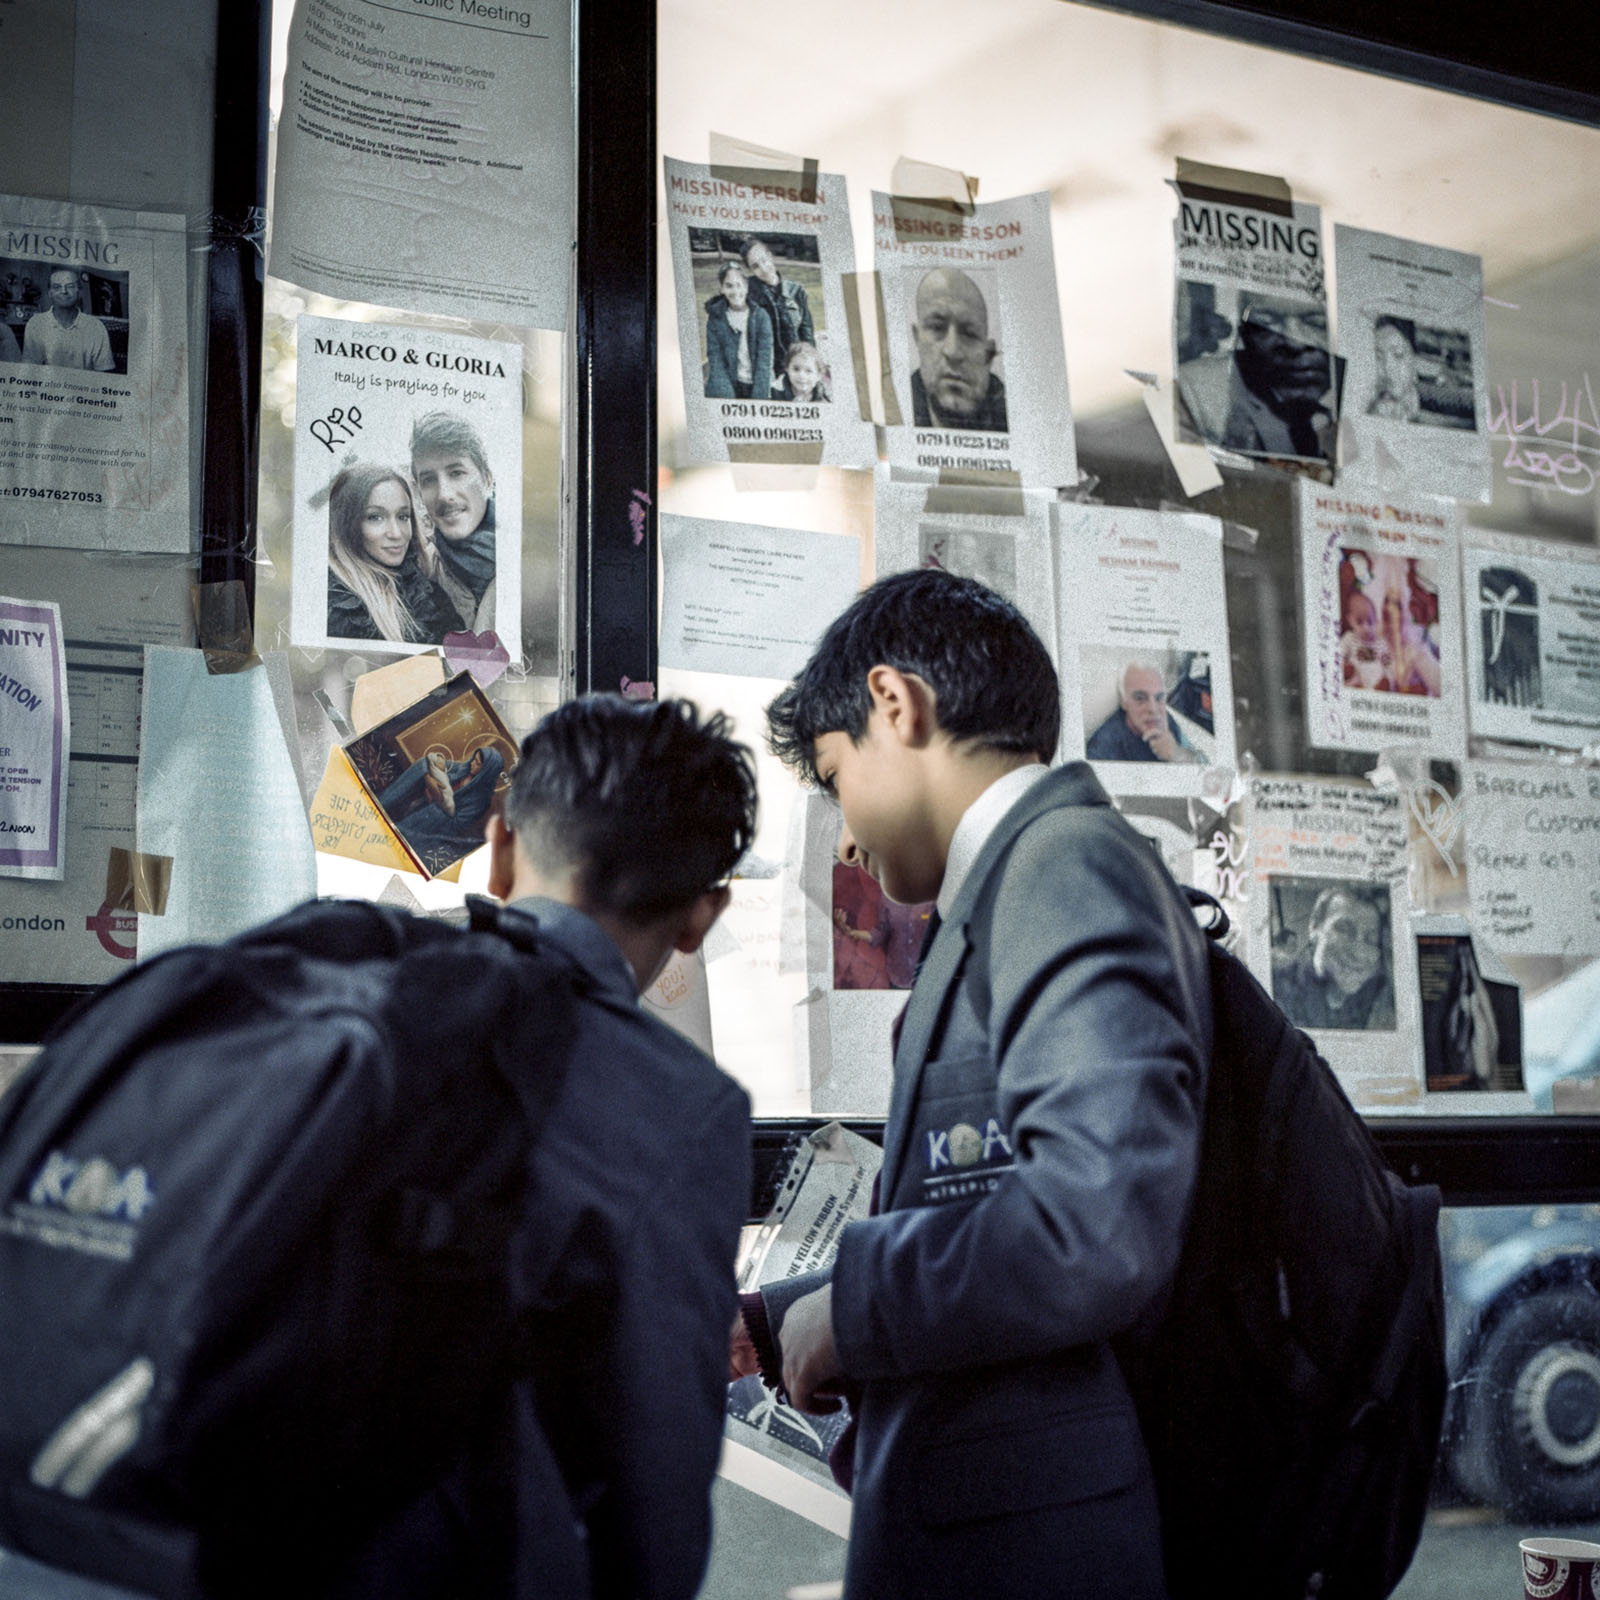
411,546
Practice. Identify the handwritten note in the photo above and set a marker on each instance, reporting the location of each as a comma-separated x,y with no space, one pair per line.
1533,858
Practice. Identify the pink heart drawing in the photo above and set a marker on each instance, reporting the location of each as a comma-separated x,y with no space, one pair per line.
481,654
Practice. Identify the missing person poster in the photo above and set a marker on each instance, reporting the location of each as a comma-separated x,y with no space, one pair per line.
999,537
94,377
1329,929
35,739
1146,677
1533,639
1381,612
1533,857
1471,1018
425,156
760,261
1412,339
408,487
1250,326
975,373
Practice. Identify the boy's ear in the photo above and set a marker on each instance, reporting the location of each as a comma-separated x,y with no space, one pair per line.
502,856
906,704
702,913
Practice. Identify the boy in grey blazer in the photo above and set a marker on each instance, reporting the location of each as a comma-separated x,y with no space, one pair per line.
1043,1123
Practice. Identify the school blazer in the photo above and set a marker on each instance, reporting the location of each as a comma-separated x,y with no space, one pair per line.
1039,1161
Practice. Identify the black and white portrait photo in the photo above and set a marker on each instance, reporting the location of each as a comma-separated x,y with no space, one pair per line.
955,376
53,314
1508,611
1332,955
1422,374
1255,373
980,553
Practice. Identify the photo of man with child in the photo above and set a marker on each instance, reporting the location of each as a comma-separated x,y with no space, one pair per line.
763,312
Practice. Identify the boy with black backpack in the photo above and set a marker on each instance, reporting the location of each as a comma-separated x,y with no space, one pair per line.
365,1255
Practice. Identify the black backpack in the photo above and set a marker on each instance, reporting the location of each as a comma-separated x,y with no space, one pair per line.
257,1208
1292,1390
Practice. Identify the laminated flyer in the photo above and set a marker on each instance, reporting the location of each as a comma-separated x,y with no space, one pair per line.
94,377
408,487
1329,929
35,739
425,156
1146,676
1000,538
760,262
1533,857
1250,327
975,372
1412,338
1381,614
1533,639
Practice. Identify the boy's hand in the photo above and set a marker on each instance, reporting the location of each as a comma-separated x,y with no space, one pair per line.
742,1360
810,1360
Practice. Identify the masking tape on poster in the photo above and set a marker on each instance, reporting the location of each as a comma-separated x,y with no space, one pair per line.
755,166
137,882
1232,186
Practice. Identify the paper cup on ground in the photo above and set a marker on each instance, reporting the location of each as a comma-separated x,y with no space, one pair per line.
1560,1569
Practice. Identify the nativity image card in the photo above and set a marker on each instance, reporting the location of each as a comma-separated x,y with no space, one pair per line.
1142,625
94,377
999,537
760,271
407,488
974,368
1411,336
1533,639
1250,327
1381,612
435,769
1329,929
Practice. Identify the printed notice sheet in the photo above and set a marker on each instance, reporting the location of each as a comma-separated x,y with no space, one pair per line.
975,371
35,737
1411,335
1001,538
1329,929
1381,599
94,377
1533,857
1471,1019
760,269
219,796
750,602
408,487
1533,639
1250,328
1146,678
425,156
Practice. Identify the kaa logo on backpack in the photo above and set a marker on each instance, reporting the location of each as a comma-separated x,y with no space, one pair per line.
257,1206
1292,1393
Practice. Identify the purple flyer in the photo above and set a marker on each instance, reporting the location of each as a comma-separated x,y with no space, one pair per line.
35,736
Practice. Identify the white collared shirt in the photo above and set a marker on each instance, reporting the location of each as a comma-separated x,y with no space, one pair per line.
978,821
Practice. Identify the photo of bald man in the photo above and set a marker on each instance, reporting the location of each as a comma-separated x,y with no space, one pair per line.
954,384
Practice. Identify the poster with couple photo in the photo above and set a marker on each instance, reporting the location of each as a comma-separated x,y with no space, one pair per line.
1412,339
999,537
1329,932
1250,325
759,262
408,488
1146,676
94,377
435,769
974,369
1381,610
1533,639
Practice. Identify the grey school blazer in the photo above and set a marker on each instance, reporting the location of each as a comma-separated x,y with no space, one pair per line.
1038,1165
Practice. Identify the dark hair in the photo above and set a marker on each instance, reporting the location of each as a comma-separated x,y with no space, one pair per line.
651,804
991,676
1404,326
